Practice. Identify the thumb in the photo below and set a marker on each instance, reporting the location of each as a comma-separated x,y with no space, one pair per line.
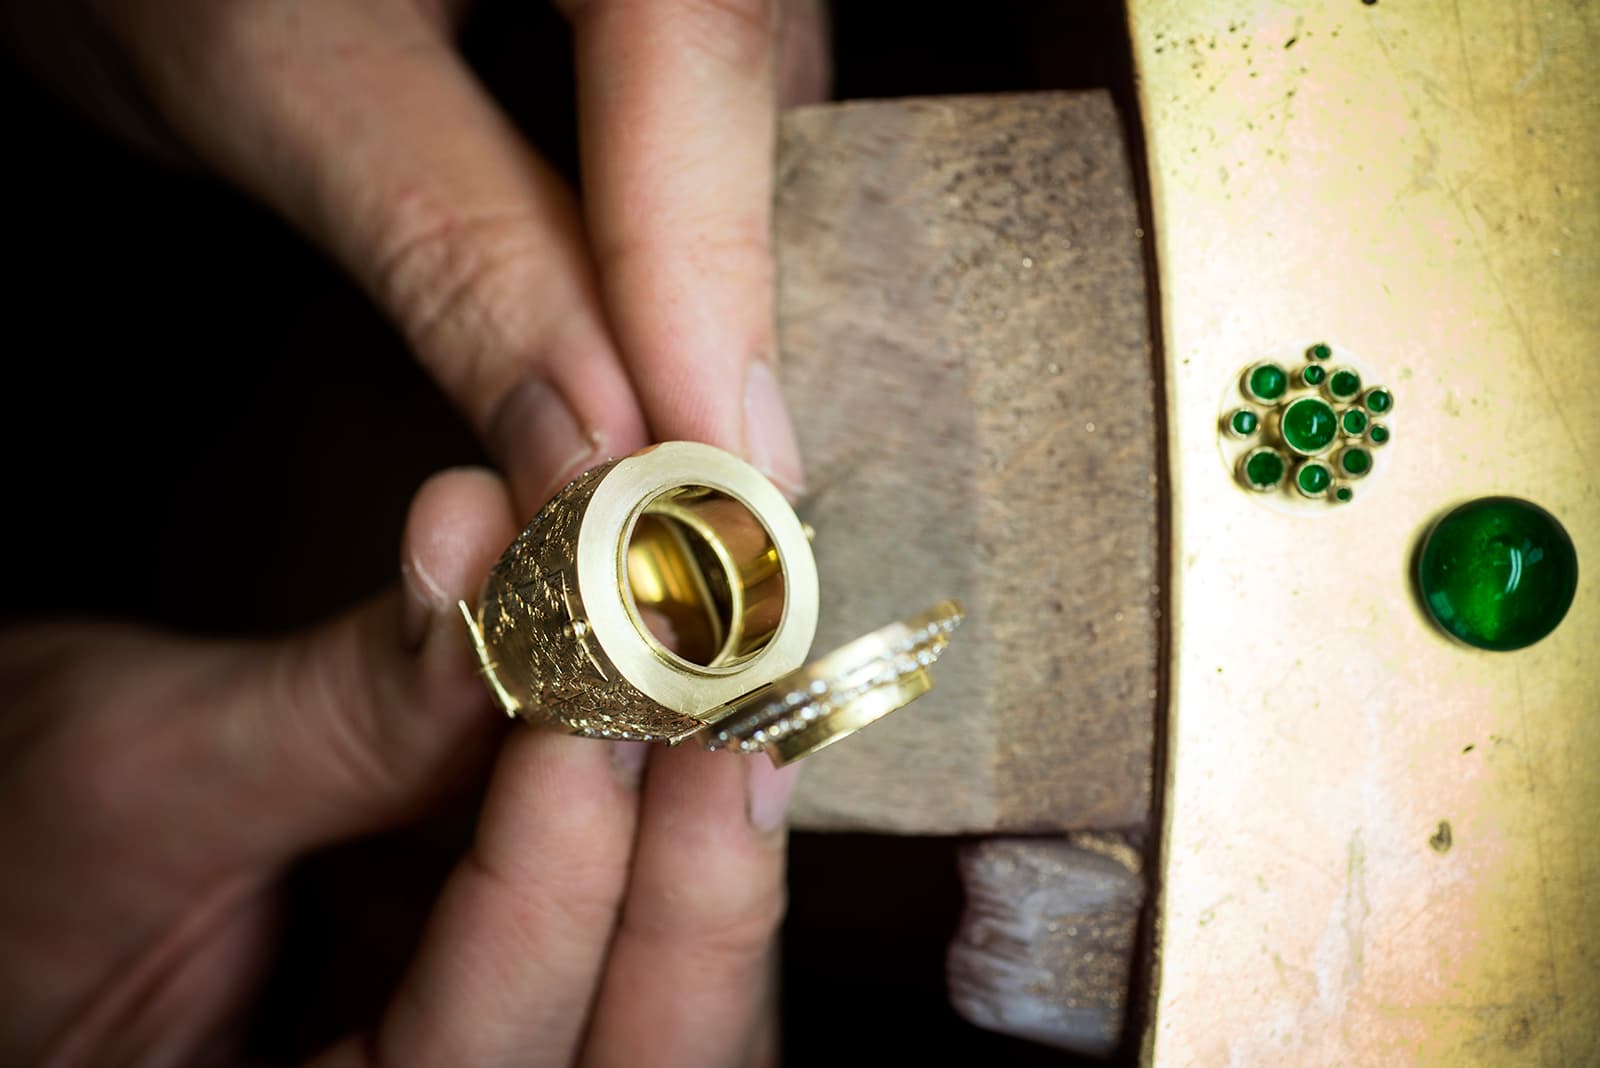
358,724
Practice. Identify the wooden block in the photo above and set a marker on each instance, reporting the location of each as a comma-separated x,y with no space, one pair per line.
962,314
1046,945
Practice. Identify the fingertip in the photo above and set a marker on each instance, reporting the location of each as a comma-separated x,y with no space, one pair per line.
771,789
544,442
804,64
769,432
460,521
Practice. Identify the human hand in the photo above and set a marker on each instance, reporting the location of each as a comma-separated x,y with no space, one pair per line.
563,338
154,791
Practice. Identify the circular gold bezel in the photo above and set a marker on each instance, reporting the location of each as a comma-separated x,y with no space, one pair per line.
614,508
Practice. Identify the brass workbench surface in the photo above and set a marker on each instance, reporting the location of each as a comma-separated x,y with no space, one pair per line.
1416,182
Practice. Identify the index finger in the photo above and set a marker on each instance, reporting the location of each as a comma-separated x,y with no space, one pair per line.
678,117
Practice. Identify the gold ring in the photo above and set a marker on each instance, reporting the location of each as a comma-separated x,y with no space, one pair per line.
674,592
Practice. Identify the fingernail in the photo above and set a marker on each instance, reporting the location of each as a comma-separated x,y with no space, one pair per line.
420,598
770,791
538,434
769,434
628,761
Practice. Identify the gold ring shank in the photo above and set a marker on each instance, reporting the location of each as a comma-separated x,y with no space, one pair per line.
647,595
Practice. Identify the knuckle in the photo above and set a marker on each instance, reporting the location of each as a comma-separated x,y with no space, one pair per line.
739,33
328,715
462,289
749,23
584,895
710,930
720,247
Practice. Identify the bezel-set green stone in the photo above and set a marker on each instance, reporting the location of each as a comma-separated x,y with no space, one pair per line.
1266,382
1262,469
1313,374
1355,462
1319,351
1353,422
1378,401
1308,426
1497,573
1344,494
1344,384
1243,423
1378,434
1313,478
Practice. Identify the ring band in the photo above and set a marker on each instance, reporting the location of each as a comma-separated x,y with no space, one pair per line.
675,590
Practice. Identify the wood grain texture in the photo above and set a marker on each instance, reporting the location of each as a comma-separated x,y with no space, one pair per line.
1045,950
965,345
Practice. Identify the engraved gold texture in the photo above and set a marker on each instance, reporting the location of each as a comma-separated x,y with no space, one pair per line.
546,662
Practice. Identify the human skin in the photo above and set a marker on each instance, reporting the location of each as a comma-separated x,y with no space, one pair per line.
154,789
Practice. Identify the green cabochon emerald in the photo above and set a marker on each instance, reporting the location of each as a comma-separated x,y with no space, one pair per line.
1266,382
1498,573
1354,461
1264,469
1313,479
1309,426
1345,383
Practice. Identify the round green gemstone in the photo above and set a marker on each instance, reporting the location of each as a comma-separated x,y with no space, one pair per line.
1378,400
1319,352
1309,426
1353,421
1498,573
1313,375
1263,469
1344,494
1243,422
1313,479
1378,434
1355,461
1266,381
1344,383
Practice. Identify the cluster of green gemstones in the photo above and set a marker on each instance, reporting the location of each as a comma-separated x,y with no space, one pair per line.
1497,573
1320,442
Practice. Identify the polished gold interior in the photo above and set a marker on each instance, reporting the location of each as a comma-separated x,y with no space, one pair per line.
705,582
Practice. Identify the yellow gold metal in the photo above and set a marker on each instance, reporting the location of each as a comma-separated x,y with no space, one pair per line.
835,696
675,589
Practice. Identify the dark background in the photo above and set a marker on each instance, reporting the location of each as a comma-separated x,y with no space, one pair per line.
184,371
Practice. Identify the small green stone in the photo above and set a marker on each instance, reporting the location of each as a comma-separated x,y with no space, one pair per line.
1243,422
1309,426
1267,381
1378,434
1344,494
1378,401
1319,352
1344,383
1264,469
1355,461
1499,573
1354,422
1313,375
1313,479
